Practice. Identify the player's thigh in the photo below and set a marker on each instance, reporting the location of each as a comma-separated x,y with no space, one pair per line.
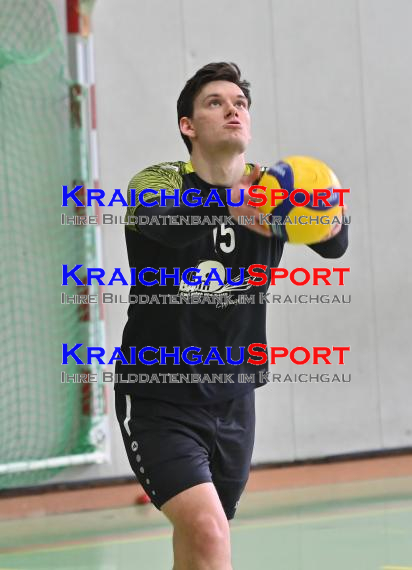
230,464
198,512
164,449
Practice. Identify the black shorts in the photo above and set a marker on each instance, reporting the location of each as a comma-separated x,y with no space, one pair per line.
172,447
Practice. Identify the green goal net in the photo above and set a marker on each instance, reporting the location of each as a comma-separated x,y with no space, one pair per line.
44,424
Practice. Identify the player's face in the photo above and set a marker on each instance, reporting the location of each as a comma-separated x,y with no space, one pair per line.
221,119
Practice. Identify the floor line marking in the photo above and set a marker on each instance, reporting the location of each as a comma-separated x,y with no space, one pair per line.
165,533
396,567
81,546
270,521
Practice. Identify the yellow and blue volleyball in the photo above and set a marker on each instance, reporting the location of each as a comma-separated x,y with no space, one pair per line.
309,223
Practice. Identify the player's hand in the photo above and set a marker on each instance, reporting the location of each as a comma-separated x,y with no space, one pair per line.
337,226
250,211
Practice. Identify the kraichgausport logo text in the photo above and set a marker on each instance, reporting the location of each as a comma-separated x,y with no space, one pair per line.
257,354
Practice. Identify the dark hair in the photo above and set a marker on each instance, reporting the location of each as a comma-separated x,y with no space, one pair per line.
211,72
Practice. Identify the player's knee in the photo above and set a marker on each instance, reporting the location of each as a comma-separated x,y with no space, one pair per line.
209,534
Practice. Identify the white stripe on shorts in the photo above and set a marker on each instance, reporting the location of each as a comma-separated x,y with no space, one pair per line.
128,410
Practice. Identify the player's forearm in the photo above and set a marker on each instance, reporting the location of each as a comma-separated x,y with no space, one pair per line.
334,247
199,220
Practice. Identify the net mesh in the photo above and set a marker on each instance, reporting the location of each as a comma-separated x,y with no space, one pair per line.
39,417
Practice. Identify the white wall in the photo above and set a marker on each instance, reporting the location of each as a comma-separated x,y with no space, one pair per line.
330,78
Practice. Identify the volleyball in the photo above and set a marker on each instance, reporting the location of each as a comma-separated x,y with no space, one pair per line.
309,206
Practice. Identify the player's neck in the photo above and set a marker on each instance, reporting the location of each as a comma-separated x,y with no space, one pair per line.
221,171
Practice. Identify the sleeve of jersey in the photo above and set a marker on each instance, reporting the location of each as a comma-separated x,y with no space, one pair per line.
334,247
153,180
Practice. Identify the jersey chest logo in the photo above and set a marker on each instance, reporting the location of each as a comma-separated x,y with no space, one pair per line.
211,282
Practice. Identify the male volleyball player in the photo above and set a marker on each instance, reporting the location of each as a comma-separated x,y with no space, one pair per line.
189,441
